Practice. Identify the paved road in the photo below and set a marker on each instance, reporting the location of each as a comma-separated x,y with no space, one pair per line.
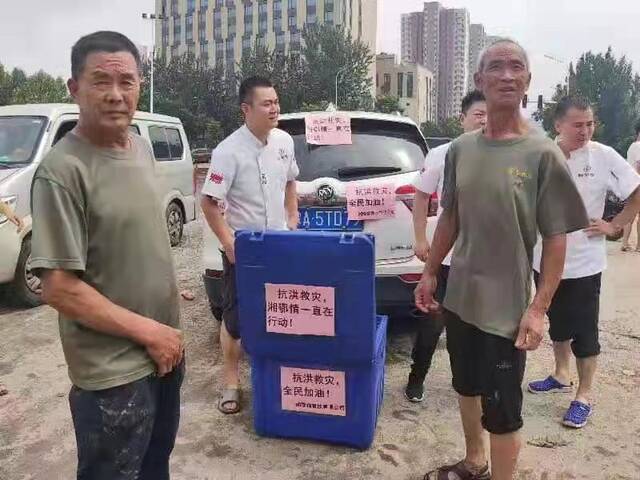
36,438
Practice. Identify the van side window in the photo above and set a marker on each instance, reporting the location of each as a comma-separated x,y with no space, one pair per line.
175,143
65,128
159,143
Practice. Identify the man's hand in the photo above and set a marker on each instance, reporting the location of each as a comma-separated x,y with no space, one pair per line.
292,221
230,252
421,249
531,329
166,347
600,227
17,221
424,294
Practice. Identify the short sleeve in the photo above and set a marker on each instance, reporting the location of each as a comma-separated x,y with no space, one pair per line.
220,175
633,154
429,177
624,179
560,208
60,236
449,184
294,170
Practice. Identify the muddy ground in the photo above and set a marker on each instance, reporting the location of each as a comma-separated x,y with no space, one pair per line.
37,442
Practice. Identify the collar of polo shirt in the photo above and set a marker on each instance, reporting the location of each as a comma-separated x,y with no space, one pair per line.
581,149
258,143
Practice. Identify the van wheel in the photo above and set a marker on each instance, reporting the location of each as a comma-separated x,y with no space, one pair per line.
26,287
175,223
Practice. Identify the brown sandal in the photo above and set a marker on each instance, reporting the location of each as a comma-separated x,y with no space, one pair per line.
460,471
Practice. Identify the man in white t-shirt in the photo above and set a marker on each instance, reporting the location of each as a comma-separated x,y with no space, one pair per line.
428,182
253,171
633,157
573,316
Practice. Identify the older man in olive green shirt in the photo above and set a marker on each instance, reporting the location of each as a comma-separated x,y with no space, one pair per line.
502,185
101,247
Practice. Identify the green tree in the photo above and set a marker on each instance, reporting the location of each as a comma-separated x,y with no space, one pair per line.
330,51
388,104
18,78
6,86
201,96
41,88
612,87
450,128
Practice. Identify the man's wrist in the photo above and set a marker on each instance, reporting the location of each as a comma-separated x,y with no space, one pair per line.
539,307
143,330
616,226
431,268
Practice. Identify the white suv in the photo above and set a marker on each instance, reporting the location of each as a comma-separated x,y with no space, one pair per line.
386,149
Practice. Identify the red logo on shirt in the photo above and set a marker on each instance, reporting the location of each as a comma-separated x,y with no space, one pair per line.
216,178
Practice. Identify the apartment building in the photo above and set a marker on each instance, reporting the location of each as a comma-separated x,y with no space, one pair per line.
412,37
412,83
477,42
453,78
220,31
447,44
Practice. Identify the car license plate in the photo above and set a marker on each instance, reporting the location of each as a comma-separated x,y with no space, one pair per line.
328,219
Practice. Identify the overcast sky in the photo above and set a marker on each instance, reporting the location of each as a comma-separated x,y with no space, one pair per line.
41,36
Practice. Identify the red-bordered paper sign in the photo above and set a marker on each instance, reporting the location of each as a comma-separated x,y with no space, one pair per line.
300,309
371,202
313,391
328,129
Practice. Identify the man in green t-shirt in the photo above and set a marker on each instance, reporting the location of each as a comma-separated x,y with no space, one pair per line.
101,247
502,185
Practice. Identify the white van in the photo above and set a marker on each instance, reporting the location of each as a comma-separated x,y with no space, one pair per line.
385,149
27,132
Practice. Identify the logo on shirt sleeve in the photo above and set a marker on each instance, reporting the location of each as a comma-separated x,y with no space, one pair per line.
283,155
216,178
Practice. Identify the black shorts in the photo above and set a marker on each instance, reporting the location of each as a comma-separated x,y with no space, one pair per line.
230,298
574,313
443,279
488,366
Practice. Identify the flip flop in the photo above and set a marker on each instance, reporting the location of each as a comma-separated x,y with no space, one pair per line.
625,248
229,396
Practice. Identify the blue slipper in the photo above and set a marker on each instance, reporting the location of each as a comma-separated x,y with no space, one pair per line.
577,415
549,385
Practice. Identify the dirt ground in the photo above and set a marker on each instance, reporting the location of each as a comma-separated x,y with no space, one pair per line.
36,436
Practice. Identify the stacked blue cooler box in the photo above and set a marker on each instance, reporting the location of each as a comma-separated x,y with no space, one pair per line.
355,355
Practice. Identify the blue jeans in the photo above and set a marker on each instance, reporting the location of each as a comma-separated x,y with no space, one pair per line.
127,432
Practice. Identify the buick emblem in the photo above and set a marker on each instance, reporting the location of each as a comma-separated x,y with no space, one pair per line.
325,193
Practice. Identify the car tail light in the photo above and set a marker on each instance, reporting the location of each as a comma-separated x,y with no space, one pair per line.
406,194
432,209
411,277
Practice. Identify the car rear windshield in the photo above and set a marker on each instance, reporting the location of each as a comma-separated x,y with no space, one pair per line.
380,148
19,138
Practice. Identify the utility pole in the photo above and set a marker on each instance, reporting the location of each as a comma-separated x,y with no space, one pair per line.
152,17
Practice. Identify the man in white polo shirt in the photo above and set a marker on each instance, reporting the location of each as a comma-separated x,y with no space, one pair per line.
633,157
429,181
253,172
574,311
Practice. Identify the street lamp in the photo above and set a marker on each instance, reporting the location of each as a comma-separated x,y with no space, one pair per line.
338,73
152,17
567,78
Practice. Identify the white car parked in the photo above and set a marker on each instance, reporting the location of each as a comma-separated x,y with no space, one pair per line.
27,132
386,149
